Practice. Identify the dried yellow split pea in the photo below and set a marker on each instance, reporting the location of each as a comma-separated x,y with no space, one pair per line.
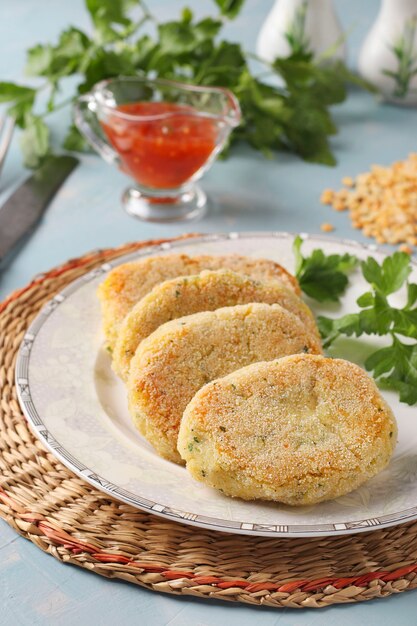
327,228
382,202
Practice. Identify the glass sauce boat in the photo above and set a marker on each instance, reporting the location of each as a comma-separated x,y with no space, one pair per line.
163,134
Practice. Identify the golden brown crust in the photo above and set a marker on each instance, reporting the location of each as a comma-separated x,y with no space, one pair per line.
181,356
126,284
207,291
297,430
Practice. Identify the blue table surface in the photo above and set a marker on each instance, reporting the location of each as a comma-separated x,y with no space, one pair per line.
249,193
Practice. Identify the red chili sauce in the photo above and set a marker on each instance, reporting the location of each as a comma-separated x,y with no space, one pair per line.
161,153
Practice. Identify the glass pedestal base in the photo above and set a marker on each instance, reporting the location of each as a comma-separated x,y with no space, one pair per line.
153,207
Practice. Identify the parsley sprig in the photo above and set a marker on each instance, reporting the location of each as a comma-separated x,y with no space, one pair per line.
324,278
394,366
294,117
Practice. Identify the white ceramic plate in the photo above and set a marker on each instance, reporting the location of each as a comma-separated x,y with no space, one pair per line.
77,407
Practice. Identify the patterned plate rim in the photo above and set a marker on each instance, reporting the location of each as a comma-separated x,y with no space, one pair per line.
40,430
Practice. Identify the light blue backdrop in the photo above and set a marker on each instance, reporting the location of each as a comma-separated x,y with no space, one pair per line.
250,193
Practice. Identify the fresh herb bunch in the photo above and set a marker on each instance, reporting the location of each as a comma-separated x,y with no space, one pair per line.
294,117
395,366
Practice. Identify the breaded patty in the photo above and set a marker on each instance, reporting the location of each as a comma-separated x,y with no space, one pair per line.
177,359
128,283
297,430
206,291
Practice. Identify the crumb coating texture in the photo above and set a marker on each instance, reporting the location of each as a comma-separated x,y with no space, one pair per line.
298,430
207,291
126,284
181,356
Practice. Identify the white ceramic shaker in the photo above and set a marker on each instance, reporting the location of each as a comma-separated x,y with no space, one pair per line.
312,25
388,57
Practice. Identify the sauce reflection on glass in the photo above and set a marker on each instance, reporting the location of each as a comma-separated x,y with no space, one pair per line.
164,152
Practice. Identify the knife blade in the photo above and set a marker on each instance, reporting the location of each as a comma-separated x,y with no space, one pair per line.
24,208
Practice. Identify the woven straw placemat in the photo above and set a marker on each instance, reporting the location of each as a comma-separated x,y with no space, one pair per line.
66,517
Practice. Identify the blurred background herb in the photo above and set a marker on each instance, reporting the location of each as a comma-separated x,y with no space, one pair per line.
293,116
406,58
296,32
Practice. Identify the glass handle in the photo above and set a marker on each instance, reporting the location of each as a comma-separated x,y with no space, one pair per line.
85,119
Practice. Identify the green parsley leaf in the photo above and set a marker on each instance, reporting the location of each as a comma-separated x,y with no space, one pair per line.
391,275
107,15
327,330
20,99
299,259
101,65
230,8
177,39
379,318
402,376
39,59
321,280
63,59
75,141
322,277
264,112
309,127
34,140
329,85
331,329
411,295
222,67
381,361
406,390
10,92
366,299
405,322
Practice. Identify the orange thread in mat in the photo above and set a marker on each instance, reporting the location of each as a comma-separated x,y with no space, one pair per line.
232,583
61,537
173,574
